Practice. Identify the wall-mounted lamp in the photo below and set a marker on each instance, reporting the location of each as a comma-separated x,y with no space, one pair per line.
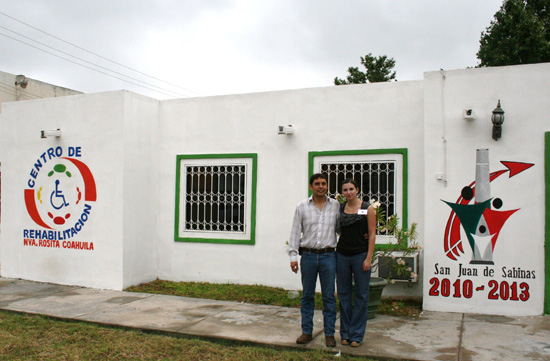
497,118
288,129
50,133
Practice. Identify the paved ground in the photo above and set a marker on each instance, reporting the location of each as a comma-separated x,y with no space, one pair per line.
433,336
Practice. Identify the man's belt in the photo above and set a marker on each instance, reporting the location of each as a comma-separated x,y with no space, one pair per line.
315,250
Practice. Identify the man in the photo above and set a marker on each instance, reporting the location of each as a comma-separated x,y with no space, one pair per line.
313,236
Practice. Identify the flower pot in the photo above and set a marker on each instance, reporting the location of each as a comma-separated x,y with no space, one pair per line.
376,286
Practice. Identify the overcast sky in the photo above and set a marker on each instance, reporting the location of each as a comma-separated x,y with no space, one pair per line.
214,47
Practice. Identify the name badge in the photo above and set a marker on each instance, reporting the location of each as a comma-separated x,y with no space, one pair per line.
362,211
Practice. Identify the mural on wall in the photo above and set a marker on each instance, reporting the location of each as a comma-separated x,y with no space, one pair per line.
61,191
481,217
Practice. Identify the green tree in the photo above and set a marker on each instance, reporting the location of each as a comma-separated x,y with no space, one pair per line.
519,34
378,69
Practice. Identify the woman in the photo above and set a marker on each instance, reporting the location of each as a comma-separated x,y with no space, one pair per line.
354,259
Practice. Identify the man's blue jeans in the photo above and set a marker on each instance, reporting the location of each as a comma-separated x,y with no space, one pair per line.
324,265
353,316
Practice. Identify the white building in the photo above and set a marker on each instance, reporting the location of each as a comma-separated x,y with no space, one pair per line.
19,88
204,189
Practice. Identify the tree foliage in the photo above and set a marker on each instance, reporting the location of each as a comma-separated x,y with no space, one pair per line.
377,69
519,34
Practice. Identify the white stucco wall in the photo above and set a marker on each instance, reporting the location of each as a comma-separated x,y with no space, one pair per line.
140,188
113,143
87,122
520,245
358,117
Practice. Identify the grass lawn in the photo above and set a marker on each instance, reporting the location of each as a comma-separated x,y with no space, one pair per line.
31,337
263,295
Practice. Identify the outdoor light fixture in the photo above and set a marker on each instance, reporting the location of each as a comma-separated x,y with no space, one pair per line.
22,81
50,133
497,118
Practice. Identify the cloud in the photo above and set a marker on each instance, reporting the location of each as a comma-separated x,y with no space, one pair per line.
221,47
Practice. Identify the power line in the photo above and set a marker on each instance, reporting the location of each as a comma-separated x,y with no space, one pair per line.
99,66
85,66
95,54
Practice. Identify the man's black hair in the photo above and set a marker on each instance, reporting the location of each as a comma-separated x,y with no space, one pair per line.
317,176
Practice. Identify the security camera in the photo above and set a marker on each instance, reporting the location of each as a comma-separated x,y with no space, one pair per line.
50,133
288,129
469,114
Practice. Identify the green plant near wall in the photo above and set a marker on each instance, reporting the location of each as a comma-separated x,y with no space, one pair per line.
404,242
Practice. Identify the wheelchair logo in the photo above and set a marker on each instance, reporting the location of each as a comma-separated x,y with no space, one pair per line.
61,191
58,195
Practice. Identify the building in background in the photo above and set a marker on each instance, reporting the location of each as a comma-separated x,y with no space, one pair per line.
19,87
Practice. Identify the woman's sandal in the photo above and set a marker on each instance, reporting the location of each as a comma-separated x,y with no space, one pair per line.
345,342
355,344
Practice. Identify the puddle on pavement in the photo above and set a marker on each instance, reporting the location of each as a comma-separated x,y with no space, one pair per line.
123,300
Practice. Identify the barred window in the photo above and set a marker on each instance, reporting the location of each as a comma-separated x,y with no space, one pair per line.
381,176
215,198
376,180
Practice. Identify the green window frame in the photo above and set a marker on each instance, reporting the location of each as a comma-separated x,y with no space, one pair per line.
216,198
547,222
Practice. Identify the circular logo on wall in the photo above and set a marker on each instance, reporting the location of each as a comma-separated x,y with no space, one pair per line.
60,189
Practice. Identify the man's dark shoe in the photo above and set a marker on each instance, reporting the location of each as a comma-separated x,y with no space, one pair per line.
330,341
303,339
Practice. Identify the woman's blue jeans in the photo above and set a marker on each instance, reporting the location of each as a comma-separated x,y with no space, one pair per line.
324,265
353,303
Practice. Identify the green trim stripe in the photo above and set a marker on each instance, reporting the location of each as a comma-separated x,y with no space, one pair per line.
547,222
252,239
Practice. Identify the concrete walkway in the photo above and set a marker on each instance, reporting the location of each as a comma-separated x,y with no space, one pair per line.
433,336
